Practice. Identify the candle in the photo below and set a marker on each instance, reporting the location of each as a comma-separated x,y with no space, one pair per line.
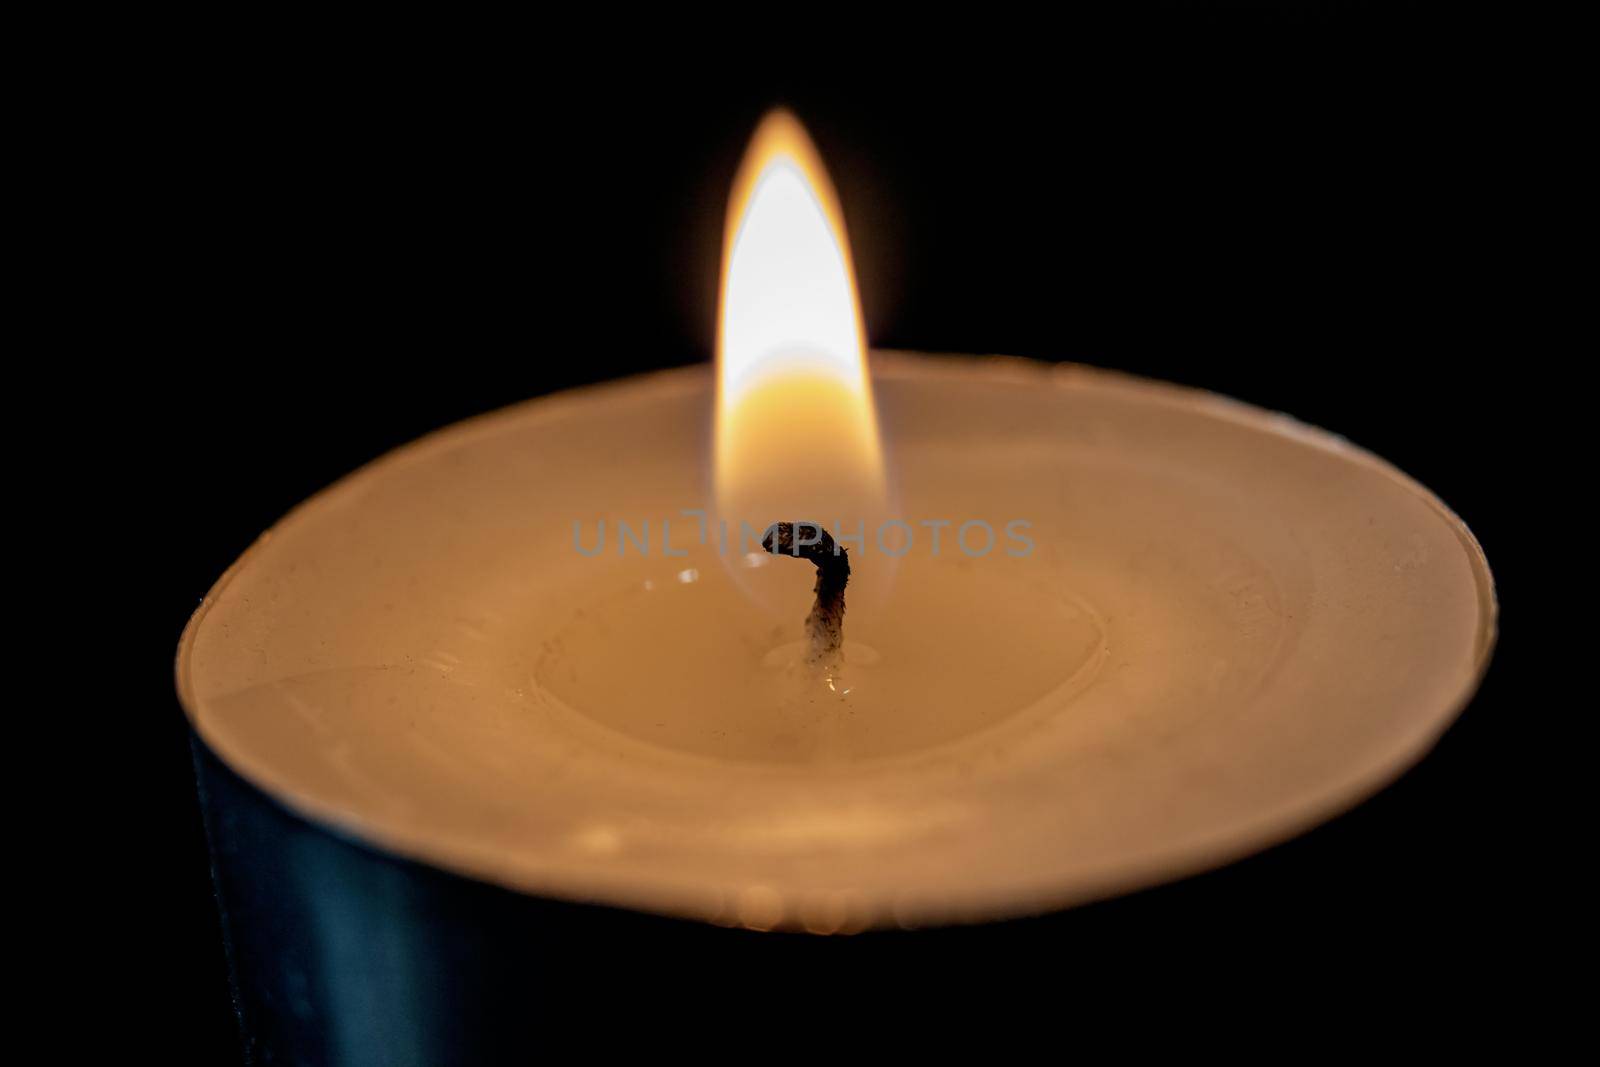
1098,631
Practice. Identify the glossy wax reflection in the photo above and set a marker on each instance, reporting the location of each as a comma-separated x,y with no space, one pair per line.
736,686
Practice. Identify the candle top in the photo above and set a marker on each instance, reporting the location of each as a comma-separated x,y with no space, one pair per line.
1231,626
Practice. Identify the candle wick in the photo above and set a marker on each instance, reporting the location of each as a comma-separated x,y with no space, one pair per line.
825,623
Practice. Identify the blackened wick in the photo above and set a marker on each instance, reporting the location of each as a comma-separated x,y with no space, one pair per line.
809,541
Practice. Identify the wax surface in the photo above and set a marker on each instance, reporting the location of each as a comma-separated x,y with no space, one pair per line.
1230,626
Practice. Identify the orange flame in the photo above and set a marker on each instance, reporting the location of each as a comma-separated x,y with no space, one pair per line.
796,432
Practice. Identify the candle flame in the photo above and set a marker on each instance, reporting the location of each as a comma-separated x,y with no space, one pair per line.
796,433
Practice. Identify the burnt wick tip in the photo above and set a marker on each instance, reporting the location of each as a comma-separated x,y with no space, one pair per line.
809,541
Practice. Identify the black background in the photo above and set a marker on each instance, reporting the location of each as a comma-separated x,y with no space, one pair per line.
351,237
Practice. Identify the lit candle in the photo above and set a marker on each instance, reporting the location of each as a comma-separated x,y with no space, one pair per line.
1098,631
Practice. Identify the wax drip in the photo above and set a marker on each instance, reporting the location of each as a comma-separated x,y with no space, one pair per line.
825,624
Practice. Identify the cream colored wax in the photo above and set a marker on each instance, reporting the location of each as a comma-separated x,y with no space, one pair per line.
1230,626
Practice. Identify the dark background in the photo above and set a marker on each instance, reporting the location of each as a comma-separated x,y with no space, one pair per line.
354,236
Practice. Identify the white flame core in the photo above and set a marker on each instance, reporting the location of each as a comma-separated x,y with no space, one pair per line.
789,303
